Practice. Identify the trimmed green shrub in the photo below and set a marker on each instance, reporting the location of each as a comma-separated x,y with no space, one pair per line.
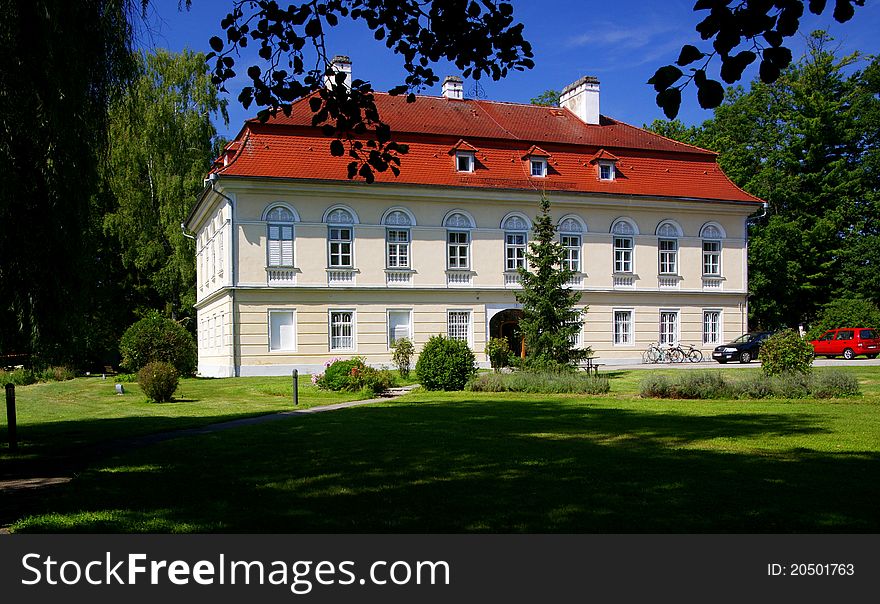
498,351
155,338
158,380
539,383
445,364
845,312
403,356
786,352
834,384
754,386
353,375
701,385
790,384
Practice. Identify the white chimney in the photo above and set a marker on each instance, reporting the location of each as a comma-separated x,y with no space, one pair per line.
582,99
339,63
453,88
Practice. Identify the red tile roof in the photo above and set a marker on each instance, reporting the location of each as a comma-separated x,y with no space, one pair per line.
502,134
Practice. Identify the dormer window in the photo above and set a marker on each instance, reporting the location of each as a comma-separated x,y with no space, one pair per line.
537,159
539,167
464,161
606,164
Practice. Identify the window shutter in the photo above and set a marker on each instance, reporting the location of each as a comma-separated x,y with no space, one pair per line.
287,246
274,252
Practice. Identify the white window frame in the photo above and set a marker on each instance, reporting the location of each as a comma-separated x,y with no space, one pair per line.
712,236
712,257
470,324
390,336
397,250
340,241
667,258
668,331
458,246
515,253
719,338
606,165
293,324
470,156
623,255
623,338
572,251
353,325
541,164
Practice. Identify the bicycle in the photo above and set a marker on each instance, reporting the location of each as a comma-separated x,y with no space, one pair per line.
694,355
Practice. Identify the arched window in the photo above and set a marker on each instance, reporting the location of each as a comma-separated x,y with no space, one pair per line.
667,247
458,240
623,232
570,237
279,233
516,229
340,237
711,235
397,239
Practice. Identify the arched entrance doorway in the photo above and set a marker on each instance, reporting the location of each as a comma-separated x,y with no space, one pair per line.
505,324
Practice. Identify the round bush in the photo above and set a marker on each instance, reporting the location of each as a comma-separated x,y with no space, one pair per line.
158,380
155,338
786,352
445,364
402,356
845,312
498,351
353,375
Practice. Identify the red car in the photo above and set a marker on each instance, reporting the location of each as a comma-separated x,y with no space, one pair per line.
849,342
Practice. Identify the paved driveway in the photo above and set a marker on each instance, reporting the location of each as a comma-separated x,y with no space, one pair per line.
822,362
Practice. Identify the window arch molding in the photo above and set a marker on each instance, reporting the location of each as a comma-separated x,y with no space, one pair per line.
571,223
452,220
334,215
624,226
669,229
712,230
391,217
269,214
516,221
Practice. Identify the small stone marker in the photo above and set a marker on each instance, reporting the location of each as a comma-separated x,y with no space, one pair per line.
119,389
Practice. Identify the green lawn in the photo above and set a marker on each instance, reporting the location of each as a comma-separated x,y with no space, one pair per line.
58,418
463,462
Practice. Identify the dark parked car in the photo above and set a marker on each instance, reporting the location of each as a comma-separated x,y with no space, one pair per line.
743,349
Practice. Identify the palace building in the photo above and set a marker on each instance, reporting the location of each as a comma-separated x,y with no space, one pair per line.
297,264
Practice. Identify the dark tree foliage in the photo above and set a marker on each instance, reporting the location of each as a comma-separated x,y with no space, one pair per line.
62,61
809,144
741,33
479,37
550,319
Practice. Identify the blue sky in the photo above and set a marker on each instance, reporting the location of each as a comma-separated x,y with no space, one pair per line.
621,42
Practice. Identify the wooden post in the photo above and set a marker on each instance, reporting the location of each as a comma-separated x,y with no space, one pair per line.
295,387
10,416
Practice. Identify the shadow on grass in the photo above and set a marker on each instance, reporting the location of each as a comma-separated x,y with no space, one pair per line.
479,466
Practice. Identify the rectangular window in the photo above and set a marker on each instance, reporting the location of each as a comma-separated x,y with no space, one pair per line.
342,330
712,258
464,162
399,325
668,257
280,245
515,251
623,255
398,248
458,325
340,247
576,338
539,167
458,243
571,245
668,326
711,327
282,330
623,326
606,171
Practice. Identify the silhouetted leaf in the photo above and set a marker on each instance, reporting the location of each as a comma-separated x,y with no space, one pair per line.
689,54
